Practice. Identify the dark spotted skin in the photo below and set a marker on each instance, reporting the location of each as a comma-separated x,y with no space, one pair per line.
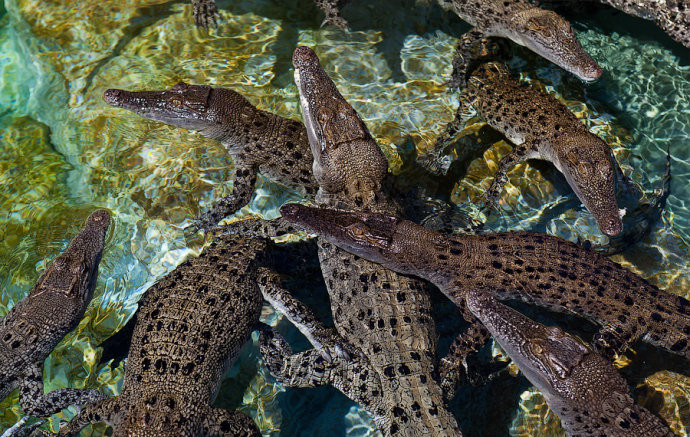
536,268
540,127
53,308
544,32
580,386
205,13
188,330
258,141
385,316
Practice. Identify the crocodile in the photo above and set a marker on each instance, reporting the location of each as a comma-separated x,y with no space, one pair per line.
206,13
383,315
258,141
540,127
187,331
672,16
579,385
542,31
37,323
262,142
535,268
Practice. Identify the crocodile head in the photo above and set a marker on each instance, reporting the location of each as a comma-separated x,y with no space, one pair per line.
549,35
346,157
195,107
547,356
71,277
586,162
398,244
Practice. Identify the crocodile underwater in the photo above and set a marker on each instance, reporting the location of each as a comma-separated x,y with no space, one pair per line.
53,308
579,385
540,127
544,32
258,141
188,330
386,316
536,268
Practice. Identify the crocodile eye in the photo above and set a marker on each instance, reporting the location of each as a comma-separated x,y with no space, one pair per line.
176,101
536,349
584,168
356,230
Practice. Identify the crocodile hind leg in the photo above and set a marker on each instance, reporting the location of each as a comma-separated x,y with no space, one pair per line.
434,160
219,422
205,13
332,10
106,410
463,57
355,378
38,404
256,227
521,153
242,191
323,338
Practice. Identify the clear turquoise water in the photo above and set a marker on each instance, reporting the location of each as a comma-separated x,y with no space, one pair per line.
64,152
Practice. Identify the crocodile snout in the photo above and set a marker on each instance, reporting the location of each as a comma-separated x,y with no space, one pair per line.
612,226
112,96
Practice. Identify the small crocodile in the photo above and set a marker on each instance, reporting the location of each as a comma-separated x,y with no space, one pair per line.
258,141
541,127
544,32
672,16
37,323
579,385
385,315
188,330
536,268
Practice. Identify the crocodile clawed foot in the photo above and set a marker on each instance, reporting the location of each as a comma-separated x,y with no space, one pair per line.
435,164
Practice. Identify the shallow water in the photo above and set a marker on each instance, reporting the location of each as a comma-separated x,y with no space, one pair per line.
64,152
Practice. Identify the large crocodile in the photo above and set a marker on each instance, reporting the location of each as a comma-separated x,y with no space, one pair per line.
37,323
385,315
579,385
544,32
258,141
536,268
188,329
672,16
540,127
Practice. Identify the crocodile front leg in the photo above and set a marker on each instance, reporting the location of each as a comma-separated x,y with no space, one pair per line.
242,191
38,404
454,367
332,10
355,378
101,411
205,13
433,160
220,422
323,338
523,152
462,57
